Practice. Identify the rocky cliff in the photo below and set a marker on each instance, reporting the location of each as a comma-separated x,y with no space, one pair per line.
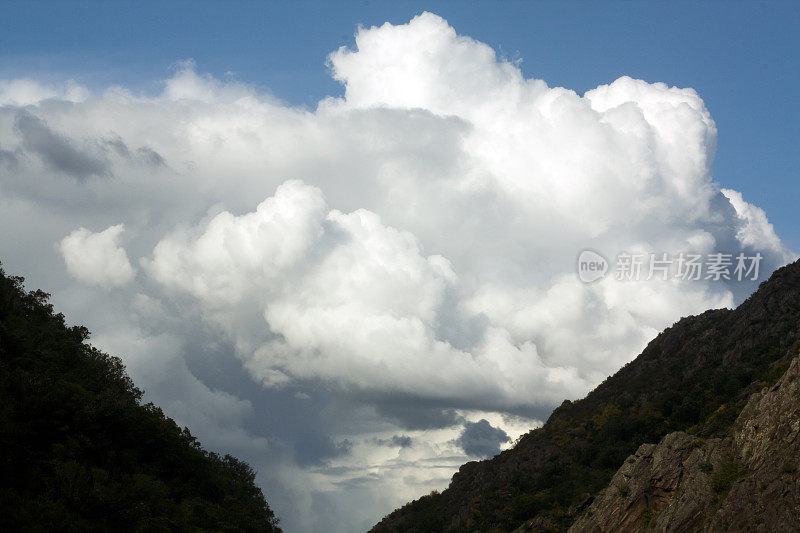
746,481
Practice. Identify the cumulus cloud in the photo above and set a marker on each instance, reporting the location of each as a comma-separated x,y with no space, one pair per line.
23,91
347,300
97,258
397,263
186,84
755,230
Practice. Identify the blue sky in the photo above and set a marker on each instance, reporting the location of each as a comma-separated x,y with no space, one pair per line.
741,57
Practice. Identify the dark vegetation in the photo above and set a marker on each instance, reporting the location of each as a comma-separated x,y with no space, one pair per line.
695,376
727,474
79,452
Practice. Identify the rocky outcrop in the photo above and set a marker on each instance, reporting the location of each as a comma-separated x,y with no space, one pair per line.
744,482
767,442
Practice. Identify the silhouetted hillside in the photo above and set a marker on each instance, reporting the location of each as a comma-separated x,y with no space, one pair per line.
694,377
79,452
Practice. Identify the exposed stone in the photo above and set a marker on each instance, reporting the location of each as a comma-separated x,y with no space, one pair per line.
746,482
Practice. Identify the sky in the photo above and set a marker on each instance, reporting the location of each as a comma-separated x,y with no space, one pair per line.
341,241
738,55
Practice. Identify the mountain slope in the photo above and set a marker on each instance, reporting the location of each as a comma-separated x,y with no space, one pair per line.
78,451
695,377
743,482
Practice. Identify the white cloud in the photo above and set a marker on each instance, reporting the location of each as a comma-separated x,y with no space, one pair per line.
23,91
348,301
97,258
755,230
187,84
397,261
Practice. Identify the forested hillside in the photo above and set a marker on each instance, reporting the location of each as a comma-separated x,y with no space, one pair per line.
80,452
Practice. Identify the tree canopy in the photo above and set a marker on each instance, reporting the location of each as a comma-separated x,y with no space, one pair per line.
80,452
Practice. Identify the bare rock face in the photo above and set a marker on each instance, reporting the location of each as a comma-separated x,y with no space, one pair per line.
745,482
661,486
766,441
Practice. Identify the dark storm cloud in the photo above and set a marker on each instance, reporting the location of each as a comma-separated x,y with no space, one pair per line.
55,149
314,448
150,156
481,439
8,159
300,425
118,145
410,415
397,441
145,154
404,441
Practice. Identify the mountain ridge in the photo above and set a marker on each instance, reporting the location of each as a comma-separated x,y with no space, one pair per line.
695,376
745,481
